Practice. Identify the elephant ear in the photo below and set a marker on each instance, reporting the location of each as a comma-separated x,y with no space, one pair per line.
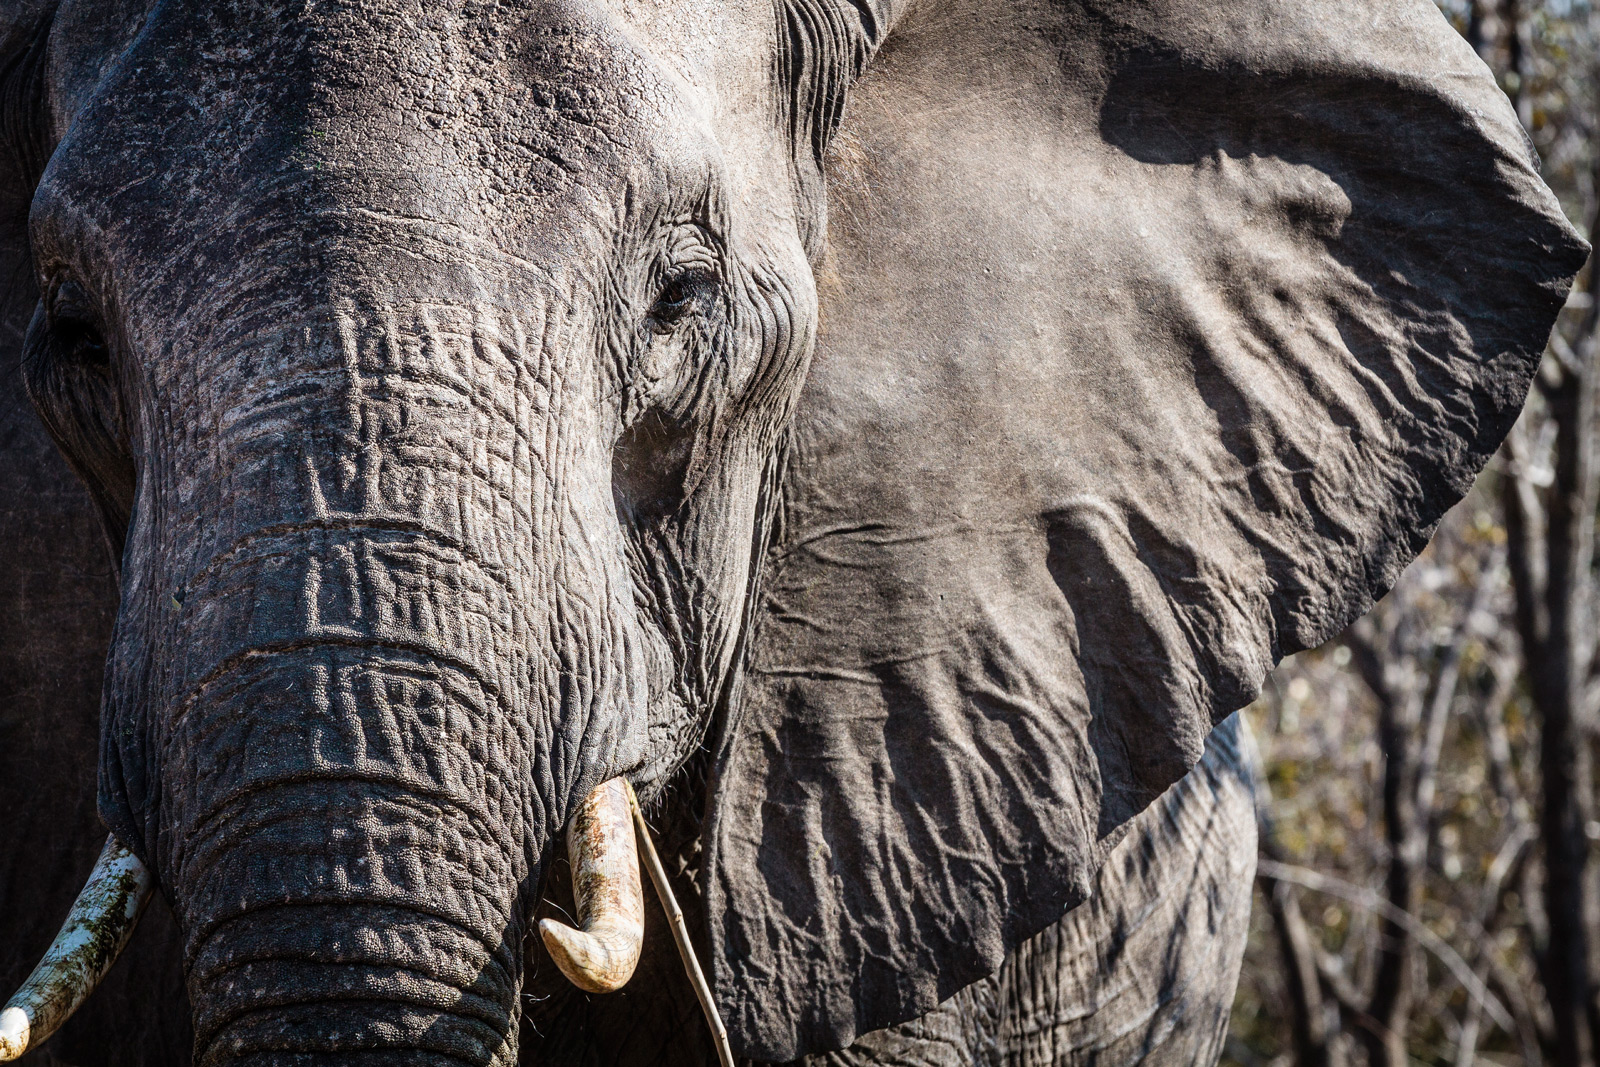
1156,338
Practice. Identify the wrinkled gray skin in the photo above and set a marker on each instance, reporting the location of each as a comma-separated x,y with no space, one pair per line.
892,435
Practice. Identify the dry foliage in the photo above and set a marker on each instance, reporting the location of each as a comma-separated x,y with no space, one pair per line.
1429,890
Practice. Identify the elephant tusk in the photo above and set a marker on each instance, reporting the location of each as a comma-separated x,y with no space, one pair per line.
600,957
100,923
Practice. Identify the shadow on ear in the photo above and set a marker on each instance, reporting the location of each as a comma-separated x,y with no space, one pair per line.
1156,339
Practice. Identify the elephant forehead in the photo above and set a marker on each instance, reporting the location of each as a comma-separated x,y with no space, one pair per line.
523,124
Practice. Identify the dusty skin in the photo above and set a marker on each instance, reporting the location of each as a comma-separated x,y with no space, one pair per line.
890,437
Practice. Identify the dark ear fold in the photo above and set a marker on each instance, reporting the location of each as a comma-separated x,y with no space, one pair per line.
77,400
1156,338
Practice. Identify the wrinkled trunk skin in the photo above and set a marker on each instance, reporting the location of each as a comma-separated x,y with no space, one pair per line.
356,681
369,652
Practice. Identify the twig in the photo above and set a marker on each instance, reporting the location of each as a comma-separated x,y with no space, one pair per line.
680,931
1444,693
1366,898
1505,861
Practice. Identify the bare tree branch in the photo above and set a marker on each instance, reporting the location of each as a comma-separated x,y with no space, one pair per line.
1366,898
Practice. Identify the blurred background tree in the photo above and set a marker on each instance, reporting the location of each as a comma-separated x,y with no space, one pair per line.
1429,889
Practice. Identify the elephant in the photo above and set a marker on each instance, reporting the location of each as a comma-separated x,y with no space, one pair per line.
890,438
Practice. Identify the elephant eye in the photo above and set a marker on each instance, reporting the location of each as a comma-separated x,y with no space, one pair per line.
681,295
77,332
82,343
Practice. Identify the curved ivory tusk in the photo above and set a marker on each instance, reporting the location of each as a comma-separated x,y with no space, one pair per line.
601,957
99,925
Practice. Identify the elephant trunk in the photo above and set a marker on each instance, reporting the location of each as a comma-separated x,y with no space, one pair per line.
377,639
373,742
349,870
390,983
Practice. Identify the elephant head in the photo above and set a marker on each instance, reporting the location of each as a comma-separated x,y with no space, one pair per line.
483,406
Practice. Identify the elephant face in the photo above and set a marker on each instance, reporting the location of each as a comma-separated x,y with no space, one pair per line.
433,360
526,297
441,373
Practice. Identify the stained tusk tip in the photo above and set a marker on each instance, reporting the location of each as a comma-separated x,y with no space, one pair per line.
14,1031
601,955
595,964
100,923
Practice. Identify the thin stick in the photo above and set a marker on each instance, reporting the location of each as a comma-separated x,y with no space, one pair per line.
680,932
